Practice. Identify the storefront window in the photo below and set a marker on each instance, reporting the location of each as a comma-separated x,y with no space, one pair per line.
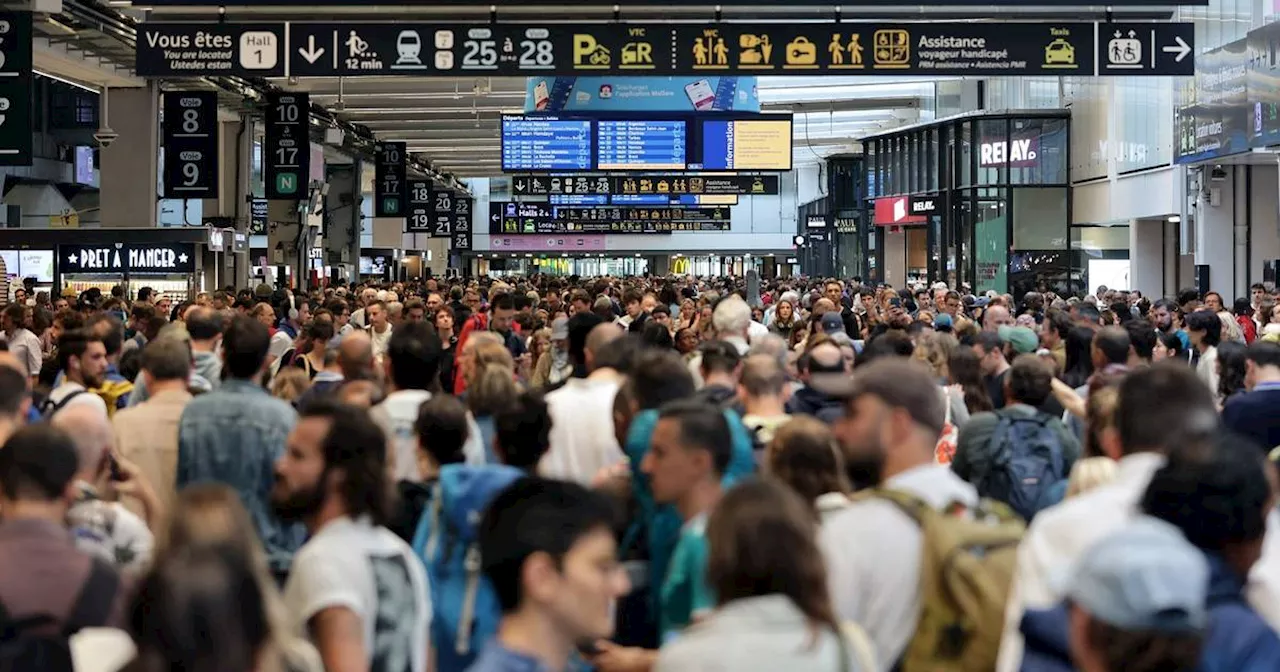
1042,146
1040,218
966,154
991,246
995,153
1100,255
872,161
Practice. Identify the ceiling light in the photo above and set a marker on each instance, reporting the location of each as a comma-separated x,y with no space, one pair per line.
1174,219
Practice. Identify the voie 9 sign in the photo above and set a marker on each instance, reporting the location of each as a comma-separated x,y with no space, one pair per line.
1017,152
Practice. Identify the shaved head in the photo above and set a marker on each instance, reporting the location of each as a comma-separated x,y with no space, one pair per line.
355,355
89,428
600,336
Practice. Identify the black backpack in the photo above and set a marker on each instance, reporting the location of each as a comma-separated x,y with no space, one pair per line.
20,650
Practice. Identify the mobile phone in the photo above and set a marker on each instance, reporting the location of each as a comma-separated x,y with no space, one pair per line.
701,95
896,302
541,96
116,474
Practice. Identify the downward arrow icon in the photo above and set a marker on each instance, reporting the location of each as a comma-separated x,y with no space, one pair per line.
311,53
1181,49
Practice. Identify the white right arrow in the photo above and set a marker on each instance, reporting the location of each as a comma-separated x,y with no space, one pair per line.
312,54
1181,49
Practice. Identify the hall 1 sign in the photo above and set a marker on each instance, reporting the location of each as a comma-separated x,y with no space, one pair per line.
389,179
176,258
15,89
287,146
190,144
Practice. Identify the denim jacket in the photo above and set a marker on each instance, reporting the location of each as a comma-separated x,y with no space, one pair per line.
234,435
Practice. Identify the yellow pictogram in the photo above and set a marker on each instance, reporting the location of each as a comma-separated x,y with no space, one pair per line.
756,52
1060,54
696,185
589,54
892,48
757,186
846,55
801,54
637,56
710,52
663,187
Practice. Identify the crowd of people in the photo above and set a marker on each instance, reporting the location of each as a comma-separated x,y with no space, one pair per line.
630,474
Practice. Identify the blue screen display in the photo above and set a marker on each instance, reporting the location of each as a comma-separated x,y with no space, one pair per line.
546,143
717,145
578,199
642,145
642,199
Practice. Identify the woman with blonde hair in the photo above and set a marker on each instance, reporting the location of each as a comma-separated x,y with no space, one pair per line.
290,383
491,386
935,350
210,515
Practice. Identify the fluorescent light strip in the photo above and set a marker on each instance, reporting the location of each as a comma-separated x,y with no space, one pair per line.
66,81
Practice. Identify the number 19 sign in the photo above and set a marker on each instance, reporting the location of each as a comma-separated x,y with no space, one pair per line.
190,144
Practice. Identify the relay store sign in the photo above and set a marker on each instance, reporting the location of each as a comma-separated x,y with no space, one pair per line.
177,258
895,211
925,205
1019,153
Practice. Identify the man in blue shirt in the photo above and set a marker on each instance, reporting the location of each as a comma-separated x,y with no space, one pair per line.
234,435
1256,413
548,550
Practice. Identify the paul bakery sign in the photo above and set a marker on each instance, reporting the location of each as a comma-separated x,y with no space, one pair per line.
132,258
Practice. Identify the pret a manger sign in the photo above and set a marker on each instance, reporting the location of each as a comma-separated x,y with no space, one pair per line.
173,258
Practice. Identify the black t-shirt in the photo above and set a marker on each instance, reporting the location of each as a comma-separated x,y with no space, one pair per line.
995,388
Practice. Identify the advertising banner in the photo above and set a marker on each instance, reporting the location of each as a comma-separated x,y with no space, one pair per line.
1214,119
641,94
896,211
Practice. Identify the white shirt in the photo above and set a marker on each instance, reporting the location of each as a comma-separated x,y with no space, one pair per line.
1060,535
396,416
354,565
380,342
873,554
582,435
281,341
85,397
1207,369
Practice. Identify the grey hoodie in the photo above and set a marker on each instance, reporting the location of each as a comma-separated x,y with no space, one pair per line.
206,376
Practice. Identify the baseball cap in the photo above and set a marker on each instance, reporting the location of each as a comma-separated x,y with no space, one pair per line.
263,291
831,323
1024,340
560,329
1146,576
943,321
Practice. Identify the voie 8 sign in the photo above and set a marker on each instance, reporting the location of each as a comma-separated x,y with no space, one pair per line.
190,132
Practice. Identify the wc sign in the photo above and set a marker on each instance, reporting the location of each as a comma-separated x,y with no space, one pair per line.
1019,153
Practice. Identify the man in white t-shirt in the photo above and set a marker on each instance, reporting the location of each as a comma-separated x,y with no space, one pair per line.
82,358
583,440
354,588
379,328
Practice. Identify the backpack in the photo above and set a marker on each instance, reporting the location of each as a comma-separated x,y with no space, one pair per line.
945,450
967,564
465,610
52,652
48,407
1026,464
115,394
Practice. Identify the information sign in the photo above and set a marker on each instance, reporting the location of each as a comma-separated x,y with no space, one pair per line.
211,48
676,185
389,181
534,143
517,218
287,145
15,89
442,205
190,144
420,212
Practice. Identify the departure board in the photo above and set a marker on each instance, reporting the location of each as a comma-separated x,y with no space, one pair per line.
641,144
546,143
742,144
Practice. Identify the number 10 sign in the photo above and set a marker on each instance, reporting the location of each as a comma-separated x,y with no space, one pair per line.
190,144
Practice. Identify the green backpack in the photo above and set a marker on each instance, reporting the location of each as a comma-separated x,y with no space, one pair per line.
967,566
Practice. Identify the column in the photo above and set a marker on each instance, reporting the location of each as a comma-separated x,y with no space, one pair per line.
283,229
1214,233
130,165
660,264
342,220
231,209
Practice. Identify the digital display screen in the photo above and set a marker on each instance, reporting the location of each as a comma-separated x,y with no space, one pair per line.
84,165
642,199
578,199
642,145
37,264
756,144
546,143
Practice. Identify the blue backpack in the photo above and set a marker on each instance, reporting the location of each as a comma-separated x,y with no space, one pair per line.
1027,469
465,612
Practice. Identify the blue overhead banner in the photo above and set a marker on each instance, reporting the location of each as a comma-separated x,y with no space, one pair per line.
641,94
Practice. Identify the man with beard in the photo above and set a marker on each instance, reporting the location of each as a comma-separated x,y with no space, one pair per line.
354,587
82,358
893,417
1162,313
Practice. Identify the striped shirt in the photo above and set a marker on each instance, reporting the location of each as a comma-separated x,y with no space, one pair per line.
4,284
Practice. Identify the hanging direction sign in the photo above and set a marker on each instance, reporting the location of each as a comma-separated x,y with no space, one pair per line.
15,89
462,208
674,185
190,144
442,205
287,145
1146,48
389,179
509,218
418,218
718,49
640,3
203,49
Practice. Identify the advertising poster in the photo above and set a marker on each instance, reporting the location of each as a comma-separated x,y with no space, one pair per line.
1264,86
1213,120
641,94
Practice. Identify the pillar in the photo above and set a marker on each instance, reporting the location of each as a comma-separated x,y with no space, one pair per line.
130,165
660,265
1215,232
895,257
231,209
342,220
283,229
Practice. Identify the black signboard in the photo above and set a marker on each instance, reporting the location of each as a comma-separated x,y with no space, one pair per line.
211,48
925,205
1146,48
258,217
420,213
286,150
15,89
443,202
509,218
190,144
389,180
675,185
176,258
1214,121
640,3
462,208
718,49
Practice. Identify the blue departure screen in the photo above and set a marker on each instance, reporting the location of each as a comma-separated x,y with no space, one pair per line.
641,199
578,199
546,143
641,145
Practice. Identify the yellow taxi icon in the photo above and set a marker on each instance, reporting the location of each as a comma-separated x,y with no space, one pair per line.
1060,52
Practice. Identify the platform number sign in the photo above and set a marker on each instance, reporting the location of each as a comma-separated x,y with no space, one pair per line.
190,144
15,89
287,146
442,213
389,180
420,213
462,230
